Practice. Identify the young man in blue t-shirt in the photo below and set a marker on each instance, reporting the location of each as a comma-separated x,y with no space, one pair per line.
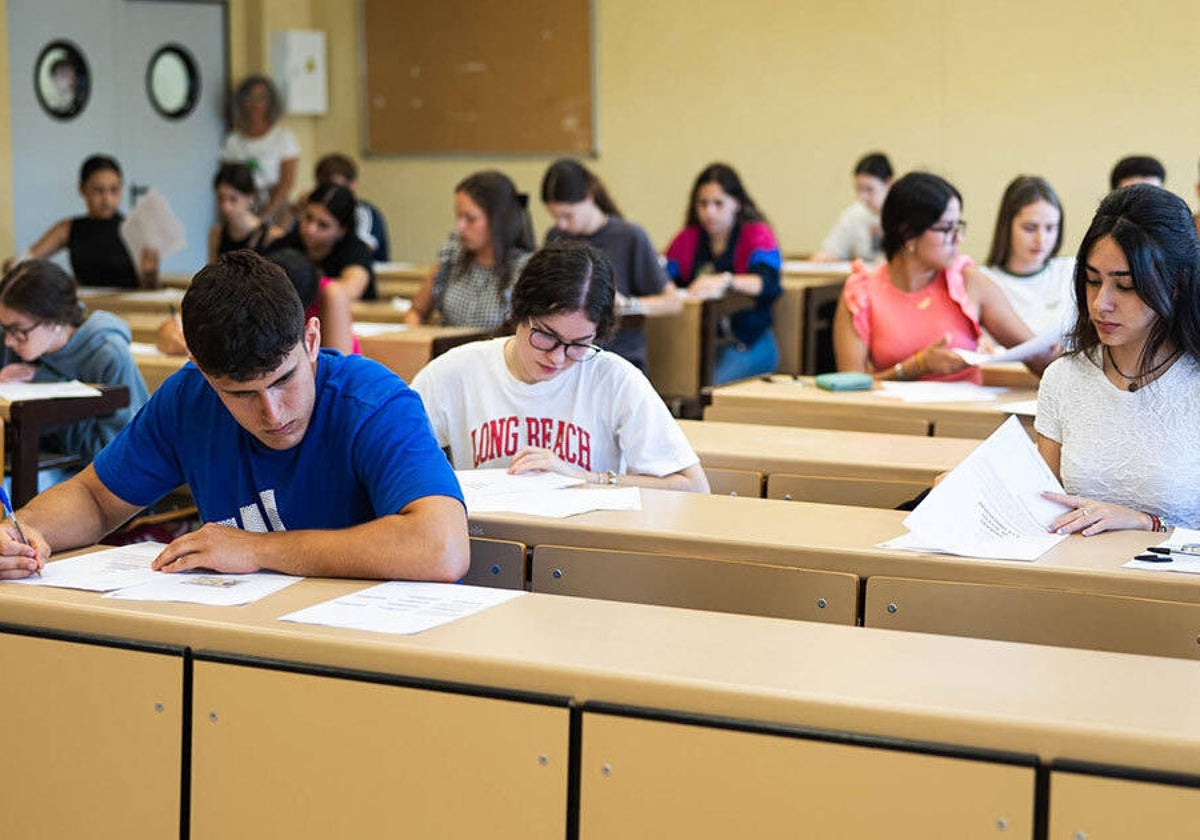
300,461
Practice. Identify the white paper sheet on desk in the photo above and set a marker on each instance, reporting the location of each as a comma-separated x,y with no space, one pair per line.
403,606
499,482
144,348
1035,346
101,571
990,505
366,329
152,224
1027,408
1187,564
17,391
941,392
810,267
167,295
200,587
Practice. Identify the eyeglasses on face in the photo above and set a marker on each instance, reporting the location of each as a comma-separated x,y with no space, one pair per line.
548,342
20,334
950,230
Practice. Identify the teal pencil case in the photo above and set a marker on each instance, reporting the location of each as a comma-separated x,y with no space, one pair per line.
847,381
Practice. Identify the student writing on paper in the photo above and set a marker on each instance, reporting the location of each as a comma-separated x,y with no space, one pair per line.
57,340
547,398
902,319
93,241
300,460
240,226
584,210
1117,417
1023,259
481,259
727,246
325,233
858,233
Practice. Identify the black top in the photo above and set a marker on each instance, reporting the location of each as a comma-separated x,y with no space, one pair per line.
349,250
98,256
256,240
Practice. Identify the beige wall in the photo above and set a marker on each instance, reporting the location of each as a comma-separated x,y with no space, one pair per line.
7,246
793,93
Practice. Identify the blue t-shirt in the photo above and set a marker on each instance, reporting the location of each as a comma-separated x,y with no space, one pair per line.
368,452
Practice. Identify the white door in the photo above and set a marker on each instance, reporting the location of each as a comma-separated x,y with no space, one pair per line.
117,39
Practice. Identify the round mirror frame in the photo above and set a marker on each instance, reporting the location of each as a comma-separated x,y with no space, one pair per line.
192,95
80,89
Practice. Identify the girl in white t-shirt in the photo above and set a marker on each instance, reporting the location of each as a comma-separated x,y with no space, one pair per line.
270,150
1023,259
547,399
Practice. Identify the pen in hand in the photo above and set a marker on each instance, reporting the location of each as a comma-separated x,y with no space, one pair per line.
12,514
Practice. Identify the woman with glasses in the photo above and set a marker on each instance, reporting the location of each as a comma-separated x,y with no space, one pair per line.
903,319
56,340
546,398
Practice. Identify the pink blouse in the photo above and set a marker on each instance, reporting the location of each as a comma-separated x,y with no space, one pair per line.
895,324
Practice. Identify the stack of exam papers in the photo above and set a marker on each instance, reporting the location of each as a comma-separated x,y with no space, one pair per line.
539,494
124,572
990,505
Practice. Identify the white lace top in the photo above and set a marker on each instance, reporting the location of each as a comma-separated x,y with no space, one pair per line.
1139,449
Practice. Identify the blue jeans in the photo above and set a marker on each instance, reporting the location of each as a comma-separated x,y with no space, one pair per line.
735,363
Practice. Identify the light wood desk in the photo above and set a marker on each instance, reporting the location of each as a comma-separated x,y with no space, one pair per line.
1076,594
156,366
407,351
821,465
400,279
160,302
799,278
681,350
687,721
25,421
784,401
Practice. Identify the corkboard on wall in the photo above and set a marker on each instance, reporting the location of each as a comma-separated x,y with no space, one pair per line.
478,76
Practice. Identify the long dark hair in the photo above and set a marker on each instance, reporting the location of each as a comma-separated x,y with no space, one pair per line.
568,181
340,203
726,177
1023,191
566,276
508,220
913,205
1155,231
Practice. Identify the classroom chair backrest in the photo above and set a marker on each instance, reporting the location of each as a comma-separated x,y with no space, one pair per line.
499,564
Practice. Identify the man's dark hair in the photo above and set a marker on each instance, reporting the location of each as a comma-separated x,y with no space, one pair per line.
241,316
1136,166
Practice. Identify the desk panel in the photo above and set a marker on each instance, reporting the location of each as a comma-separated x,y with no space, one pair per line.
653,779
407,351
1083,807
1026,613
696,583
280,754
93,747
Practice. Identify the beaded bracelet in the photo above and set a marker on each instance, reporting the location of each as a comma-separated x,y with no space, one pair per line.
1156,524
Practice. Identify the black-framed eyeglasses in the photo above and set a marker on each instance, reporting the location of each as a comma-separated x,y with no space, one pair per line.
21,334
951,229
548,342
